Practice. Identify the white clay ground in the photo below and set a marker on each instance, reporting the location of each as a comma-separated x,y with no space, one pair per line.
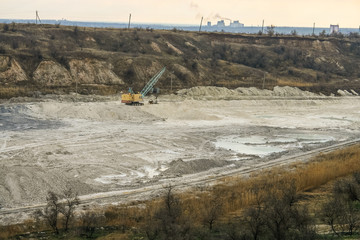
97,145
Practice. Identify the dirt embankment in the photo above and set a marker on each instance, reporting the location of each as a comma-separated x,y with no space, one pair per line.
60,59
222,93
216,93
51,73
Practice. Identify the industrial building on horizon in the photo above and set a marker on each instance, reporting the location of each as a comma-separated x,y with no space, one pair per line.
221,24
334,29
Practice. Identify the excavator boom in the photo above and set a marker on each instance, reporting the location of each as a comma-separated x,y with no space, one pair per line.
152,82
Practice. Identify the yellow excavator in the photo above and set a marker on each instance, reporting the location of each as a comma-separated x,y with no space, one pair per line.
136,99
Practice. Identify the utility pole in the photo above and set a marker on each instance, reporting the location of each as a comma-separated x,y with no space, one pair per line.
201,23
262,28
37,17
129,21
313,30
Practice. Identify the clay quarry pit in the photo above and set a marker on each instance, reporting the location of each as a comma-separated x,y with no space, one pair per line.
103,149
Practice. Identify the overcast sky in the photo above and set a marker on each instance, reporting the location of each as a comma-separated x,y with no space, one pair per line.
304,13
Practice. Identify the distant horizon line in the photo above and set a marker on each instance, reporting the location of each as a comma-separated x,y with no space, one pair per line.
167,24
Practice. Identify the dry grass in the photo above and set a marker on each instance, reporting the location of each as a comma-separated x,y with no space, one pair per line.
327,167
9,92
237,193
115,236
9,231
234,193
293,83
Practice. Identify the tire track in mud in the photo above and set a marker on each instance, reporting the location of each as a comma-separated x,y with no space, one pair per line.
187,181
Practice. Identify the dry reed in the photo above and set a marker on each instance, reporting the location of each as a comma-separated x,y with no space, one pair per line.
234,193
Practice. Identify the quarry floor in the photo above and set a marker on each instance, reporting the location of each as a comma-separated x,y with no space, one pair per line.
100,146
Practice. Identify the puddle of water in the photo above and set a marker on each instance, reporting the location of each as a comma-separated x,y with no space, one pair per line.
241,146
151,171
108,179
265,116
145,171
163,168
138,174
262,146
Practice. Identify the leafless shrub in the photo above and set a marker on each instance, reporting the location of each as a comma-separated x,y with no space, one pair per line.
89,222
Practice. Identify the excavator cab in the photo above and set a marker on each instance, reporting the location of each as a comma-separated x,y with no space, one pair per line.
132,98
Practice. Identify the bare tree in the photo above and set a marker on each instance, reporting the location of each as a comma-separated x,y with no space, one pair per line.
294,32
340,212
254,220
169,220
331,211
303,226
151,227
348,194
172,204
349,218
254,215
284,217
322,33
349,189
212,210
278,217
52,210
55,206
270,30
67,208
277,209
234,231
89,222
169,214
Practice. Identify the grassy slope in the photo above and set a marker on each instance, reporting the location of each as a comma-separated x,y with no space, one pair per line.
193,59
